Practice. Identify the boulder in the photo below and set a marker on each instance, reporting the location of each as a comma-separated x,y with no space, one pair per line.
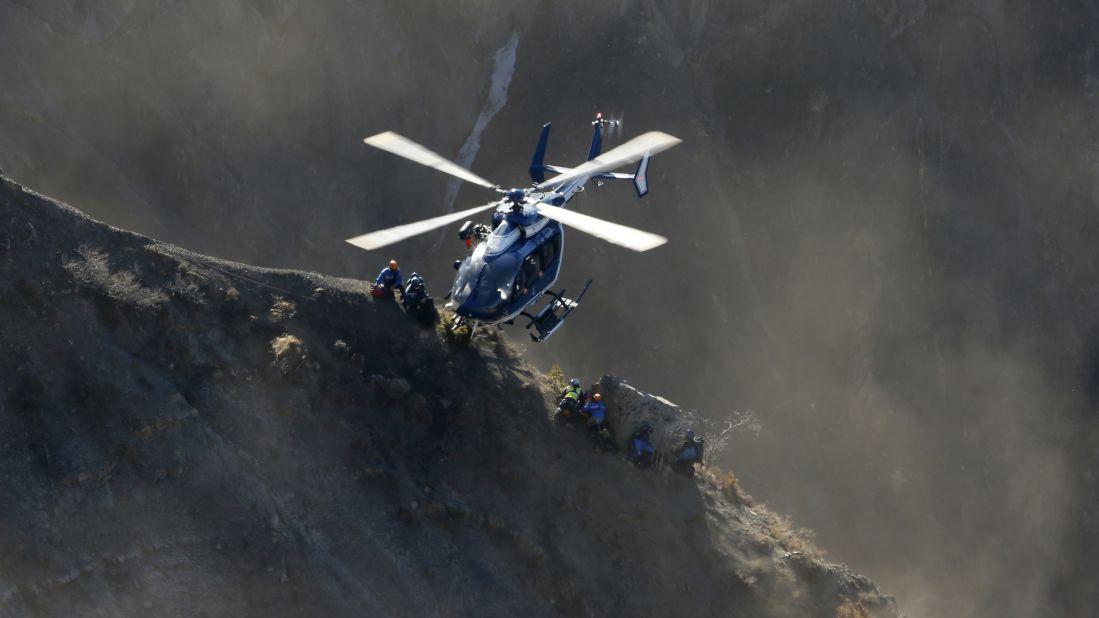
628,407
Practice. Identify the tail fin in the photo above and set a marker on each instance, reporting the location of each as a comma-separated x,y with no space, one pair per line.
596,141
537,164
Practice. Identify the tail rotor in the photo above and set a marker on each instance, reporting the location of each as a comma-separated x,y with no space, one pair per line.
611,124
614,125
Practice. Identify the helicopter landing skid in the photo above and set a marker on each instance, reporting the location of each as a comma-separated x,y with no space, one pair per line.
553,315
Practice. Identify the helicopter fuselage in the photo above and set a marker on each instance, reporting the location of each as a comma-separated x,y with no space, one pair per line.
515,264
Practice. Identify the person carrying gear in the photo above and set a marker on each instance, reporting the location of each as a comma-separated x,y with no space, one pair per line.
569,402
641,446
387,280
415,292
687,455
417,302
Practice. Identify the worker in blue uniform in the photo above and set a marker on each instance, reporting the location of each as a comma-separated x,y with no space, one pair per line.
390,279
641,446
690,453
415,292
596,411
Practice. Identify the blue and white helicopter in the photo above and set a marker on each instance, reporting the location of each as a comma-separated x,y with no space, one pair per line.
514,262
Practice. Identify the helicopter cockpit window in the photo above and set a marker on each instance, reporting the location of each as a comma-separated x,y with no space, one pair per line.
483,284
467,276
494,283
502,237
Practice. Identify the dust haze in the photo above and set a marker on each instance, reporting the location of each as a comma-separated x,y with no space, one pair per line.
881,223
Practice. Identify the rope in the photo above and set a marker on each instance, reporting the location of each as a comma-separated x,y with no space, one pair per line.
231,274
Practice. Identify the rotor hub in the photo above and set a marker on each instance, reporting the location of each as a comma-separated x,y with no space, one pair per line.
516,195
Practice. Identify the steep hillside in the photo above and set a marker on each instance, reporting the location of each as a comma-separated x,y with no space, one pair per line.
186,436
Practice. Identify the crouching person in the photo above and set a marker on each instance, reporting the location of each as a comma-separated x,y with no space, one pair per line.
568,403
596,411
642,452
687,455
388,280
417,302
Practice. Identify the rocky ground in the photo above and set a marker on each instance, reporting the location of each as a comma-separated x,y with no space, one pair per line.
181,435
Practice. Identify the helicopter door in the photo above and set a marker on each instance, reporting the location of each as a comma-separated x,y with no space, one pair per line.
528,274
532,271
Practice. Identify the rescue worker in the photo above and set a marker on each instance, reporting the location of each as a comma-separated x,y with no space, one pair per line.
390,278
687,455
569,402
641,446
415,292
596,411
417,302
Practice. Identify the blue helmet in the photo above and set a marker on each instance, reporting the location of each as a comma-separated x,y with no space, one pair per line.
574,382
690,434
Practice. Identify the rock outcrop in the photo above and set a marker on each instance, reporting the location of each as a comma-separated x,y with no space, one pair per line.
629,407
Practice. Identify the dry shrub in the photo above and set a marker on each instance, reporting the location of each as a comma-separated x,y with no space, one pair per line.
727,483
453,330
187,289
282,309
556,379
289,352
793,540
91,269
850,608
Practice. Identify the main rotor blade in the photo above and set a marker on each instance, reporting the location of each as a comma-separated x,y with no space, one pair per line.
381,238
651,143
620,235
404,147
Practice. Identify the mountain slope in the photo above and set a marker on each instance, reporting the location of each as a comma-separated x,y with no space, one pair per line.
185,435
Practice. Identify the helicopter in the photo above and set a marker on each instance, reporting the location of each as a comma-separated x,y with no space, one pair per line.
511,264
